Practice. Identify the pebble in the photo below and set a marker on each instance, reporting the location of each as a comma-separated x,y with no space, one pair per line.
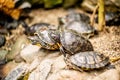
34,65
29,53
58,64
3,56
67,75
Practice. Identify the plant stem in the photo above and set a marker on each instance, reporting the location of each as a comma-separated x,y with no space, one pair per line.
101,15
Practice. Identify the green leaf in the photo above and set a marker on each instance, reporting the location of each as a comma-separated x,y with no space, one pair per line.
52,3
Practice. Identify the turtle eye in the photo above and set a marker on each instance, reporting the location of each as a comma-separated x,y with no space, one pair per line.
36,34
55,37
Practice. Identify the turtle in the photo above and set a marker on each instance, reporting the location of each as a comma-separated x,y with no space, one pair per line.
111,18
86,61
78,22
74,42
73,16
30,30
47,38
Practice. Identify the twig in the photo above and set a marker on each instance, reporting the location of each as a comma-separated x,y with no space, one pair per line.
93,15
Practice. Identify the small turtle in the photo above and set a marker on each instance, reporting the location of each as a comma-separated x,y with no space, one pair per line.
74,16
73,42
30,30
77,22
88,60
47,38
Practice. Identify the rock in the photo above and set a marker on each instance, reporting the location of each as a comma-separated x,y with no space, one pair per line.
29,53
68,75
47,54
20,43
111,74
3,56
58,64
45,68
34,64
42,71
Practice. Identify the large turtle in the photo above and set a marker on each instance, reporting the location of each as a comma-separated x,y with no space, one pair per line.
78,22
73,42
89,60
46,37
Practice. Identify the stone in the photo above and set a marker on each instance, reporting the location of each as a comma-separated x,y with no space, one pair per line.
58,64
3,54
42,71
34,65
68,75
29,53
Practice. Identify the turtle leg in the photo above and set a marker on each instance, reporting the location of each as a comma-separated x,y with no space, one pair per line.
110,66
114,59
62,49
89,35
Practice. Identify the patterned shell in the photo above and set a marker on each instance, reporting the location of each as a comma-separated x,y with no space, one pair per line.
89,60
73,42
46,40
78,22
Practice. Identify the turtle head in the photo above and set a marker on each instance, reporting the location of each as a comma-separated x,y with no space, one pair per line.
34,40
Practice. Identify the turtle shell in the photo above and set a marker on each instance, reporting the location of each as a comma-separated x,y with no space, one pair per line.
88,60
45,38
30,30
80,27
74,16
73,42
78,22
